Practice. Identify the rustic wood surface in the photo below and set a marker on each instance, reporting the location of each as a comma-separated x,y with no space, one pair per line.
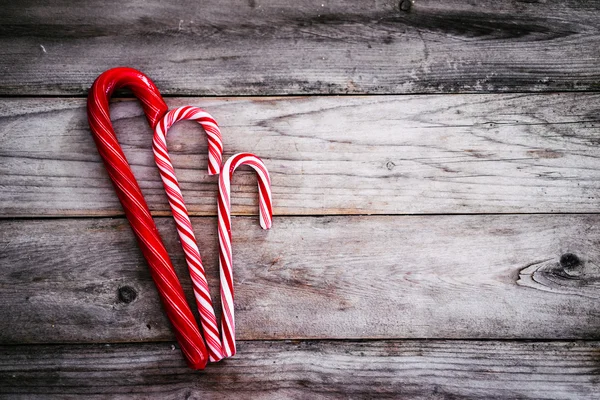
506,276
424,246
307,370
327,155
254,47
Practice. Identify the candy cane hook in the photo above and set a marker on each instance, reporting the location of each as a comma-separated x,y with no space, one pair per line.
135,206
180,213
225,255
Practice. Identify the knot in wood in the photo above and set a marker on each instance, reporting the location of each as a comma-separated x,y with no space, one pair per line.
127,294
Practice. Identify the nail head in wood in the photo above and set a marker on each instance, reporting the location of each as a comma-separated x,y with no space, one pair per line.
569,261
571,264
127,294
405,5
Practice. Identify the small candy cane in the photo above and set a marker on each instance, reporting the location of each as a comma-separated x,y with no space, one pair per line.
225,255
180,213
135,206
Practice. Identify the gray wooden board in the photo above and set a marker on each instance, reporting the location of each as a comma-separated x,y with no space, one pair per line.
526,153
302,46
481,276
308,370
504,277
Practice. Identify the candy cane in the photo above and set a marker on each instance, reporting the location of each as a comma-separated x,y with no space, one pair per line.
136,210
225,255
180,213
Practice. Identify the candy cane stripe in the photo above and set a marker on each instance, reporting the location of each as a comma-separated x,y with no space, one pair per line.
224,227
180,214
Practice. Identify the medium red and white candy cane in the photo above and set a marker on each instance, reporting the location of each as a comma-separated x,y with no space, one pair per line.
136,209
225,255
180,213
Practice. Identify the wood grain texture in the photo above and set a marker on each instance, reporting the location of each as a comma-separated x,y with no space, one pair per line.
302,47
338,306
525,153
308,370
84,280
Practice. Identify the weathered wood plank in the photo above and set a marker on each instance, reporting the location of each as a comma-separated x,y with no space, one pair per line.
303,46
507,276
303,370
327,155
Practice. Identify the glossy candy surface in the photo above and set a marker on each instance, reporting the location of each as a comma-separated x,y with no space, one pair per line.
180,213
225,251
134,205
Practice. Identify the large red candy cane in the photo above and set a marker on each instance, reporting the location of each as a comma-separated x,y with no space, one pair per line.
133,202
180,213
225,256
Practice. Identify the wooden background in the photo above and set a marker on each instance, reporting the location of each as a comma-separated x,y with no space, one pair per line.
436,230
